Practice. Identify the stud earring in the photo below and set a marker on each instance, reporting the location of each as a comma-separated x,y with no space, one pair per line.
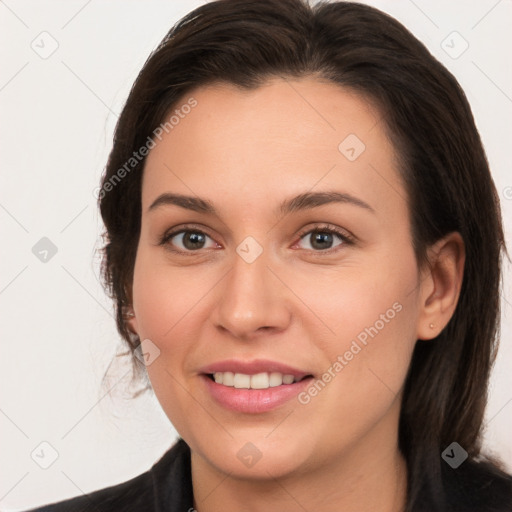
431,326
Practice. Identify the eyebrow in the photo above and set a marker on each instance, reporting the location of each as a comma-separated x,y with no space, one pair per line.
304,201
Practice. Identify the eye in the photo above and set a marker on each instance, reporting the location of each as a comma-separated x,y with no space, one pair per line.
321,238
187,240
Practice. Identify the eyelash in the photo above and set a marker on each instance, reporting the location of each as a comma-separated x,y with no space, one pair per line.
345,237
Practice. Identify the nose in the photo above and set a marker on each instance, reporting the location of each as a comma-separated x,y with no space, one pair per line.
254,301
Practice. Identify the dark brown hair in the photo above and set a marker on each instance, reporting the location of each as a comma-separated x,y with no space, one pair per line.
442,162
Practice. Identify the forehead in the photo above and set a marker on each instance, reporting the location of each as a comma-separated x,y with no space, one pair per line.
283,137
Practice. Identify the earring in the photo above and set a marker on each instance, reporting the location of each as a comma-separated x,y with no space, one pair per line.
431,326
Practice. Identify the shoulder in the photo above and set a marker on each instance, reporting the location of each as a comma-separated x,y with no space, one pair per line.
167,483
129,495
478,486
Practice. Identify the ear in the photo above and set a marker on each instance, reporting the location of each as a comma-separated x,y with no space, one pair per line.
440,286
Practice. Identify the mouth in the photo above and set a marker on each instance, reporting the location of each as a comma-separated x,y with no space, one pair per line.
253,387
263,380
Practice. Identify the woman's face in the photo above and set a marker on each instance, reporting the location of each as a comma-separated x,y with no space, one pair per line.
243,277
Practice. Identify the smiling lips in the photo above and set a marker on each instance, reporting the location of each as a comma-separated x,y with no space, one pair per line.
253,387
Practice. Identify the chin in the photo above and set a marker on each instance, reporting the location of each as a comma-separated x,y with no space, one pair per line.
255,456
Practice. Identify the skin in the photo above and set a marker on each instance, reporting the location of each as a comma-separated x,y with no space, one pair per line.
295,303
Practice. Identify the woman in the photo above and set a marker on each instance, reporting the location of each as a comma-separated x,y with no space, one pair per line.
304,246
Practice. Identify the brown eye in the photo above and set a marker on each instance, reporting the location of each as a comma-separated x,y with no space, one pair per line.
321,240
187,240
324,238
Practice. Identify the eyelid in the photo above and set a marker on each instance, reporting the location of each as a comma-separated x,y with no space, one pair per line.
346,236
164,239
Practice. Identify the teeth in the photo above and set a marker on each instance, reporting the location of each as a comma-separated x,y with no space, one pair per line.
287,379
275,379
242,381
258,381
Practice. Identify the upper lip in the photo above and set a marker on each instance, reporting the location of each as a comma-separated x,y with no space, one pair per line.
253,367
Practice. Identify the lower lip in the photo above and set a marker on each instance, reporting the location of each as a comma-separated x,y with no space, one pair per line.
254,400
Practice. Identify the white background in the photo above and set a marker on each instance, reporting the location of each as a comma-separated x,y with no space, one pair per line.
57,331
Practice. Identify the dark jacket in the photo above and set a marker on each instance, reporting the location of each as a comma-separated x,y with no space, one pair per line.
167,487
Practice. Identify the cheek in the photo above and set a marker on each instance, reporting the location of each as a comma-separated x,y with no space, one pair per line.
365,324
169,306
162,296
360,302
